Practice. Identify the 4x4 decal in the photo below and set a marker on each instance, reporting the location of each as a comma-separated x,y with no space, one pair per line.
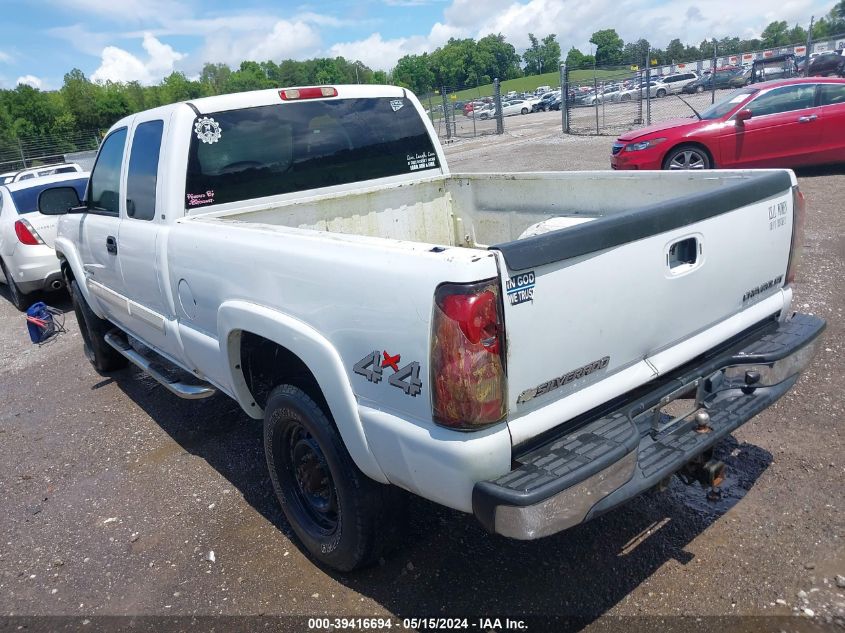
406,378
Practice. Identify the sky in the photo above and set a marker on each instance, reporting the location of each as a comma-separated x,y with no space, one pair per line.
145,40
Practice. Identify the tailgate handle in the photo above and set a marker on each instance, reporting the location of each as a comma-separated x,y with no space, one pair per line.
683,253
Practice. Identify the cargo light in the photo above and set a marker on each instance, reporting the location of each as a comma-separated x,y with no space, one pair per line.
799,218
294,94
26,234
467,356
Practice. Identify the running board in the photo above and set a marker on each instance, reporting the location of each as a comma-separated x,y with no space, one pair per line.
181,389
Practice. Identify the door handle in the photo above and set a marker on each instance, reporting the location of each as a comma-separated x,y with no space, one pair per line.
808,118
111,245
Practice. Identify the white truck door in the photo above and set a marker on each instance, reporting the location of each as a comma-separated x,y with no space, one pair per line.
99,226
140,231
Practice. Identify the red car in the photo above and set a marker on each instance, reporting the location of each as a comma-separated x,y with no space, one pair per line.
782,123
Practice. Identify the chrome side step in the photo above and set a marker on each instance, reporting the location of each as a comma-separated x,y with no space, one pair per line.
181,389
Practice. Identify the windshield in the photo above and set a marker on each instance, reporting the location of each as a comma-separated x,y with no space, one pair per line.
26,200
270,150
718,110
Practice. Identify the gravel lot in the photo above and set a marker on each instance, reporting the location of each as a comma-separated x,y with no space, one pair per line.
114,492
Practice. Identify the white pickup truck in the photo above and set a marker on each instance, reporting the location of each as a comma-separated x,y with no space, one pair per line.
532,348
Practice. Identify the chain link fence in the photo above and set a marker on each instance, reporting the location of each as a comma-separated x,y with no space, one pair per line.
457,112
32,151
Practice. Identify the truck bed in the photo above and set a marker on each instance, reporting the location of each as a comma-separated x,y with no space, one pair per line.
480,210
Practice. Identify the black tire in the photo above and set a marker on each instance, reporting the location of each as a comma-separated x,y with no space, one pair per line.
699,88
687,157
342,517
19,299
524,110
103,356
661,93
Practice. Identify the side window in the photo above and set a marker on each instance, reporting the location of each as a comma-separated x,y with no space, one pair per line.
143,171
784,99
832,94
104,190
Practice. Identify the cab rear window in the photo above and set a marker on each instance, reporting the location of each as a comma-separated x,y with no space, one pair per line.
269,150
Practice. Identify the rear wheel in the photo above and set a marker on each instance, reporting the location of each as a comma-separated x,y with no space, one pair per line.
661,93
699,88
103,356
19,299
524,110
344,518
687,157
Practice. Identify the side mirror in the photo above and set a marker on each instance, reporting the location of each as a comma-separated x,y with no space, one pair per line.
743,115
57,200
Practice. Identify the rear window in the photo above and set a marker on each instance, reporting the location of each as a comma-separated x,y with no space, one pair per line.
270,150
26,200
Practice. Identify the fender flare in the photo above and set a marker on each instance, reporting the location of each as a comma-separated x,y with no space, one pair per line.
67,253
318,354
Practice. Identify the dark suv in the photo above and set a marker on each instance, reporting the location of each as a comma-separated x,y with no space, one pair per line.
827,64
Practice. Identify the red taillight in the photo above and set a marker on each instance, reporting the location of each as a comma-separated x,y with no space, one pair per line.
293,94
26,234
799,218
467,352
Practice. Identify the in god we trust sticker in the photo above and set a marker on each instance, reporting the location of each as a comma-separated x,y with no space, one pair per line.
207,130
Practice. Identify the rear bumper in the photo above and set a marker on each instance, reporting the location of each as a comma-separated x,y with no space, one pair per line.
624,450
32,266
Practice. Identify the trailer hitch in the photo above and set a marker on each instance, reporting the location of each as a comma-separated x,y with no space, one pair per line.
709,473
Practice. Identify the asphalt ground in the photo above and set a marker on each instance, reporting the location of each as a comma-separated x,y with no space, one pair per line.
113,493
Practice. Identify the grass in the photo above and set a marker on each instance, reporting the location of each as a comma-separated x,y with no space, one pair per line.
526,84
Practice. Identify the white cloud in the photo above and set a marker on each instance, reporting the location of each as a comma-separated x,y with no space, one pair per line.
5,57
30,80
121,65
296,39
381,54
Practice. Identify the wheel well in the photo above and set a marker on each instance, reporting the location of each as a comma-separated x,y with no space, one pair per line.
703,148
67,271
266,364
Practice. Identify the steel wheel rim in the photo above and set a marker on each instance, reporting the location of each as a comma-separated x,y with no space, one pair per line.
313,486
688,159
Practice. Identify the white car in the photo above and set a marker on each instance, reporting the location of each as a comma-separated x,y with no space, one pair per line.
38,172
28,262
487,111
674,84
517,106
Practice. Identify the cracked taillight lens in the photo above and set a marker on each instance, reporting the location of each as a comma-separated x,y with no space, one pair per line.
469,386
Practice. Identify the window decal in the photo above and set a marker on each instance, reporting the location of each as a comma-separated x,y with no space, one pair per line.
208,130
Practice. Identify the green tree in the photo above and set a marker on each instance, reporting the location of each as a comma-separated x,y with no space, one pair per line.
214,77
501,58
577,59
542,56
797,35
608,47
414,72
80,99
636,52
675,51
775,34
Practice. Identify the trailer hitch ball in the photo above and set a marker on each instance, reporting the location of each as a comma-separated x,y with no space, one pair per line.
702,422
